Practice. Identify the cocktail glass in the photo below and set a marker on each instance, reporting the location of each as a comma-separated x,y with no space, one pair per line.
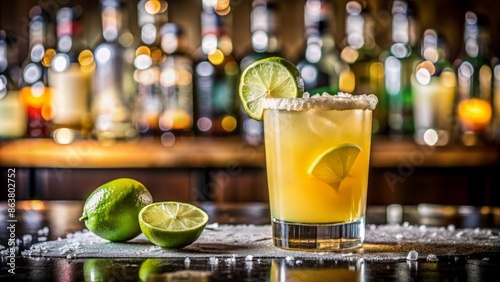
317,157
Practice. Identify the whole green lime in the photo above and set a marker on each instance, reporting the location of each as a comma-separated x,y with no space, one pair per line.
112,209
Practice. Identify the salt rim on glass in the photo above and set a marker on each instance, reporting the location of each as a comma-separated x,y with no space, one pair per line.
326,101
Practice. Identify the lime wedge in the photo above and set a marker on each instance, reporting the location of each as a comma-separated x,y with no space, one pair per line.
272,77
334,164
172,224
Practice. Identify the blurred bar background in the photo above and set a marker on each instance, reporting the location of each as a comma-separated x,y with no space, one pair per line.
182,149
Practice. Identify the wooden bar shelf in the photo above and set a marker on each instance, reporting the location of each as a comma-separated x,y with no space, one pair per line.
219,153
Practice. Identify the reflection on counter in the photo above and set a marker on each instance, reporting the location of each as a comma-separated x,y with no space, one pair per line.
44,221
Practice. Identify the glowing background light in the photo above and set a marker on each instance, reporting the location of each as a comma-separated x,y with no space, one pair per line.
48,57
32,73
229,123
217,57
475,114
63,136
204,124
103,54
60,63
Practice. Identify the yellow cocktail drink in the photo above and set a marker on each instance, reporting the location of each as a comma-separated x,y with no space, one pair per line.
317,155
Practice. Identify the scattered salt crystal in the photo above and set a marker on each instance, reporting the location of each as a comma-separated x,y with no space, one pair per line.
477,230
432,258
187,262
412,255
459,234
486,259
289,258
457,259
212,226
306,95
406,224
68,257
249,258
346,254
493,237
399,236
451,227
213,260
298,262
42,239
422,228
373,227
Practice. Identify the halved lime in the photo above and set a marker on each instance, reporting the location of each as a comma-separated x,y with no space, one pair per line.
272,77
334,164
172,224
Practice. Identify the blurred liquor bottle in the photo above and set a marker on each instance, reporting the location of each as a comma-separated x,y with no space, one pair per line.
321,64
216,74
364,73
399,65
434,87
12,113
69,78
495,124
114,88
265,43
151,16
176,118
474,82
35,93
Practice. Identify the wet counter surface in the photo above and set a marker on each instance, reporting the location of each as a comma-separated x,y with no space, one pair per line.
453,244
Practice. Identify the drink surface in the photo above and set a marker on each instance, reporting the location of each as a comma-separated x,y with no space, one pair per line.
296,137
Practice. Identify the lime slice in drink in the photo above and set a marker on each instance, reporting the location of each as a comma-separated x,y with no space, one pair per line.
272,77
172,224
334,164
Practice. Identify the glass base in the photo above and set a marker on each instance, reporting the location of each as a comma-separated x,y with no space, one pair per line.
318,237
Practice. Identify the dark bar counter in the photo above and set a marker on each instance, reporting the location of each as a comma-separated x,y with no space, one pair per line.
472,253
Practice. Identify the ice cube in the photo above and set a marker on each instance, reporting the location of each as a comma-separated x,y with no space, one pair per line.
412,255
